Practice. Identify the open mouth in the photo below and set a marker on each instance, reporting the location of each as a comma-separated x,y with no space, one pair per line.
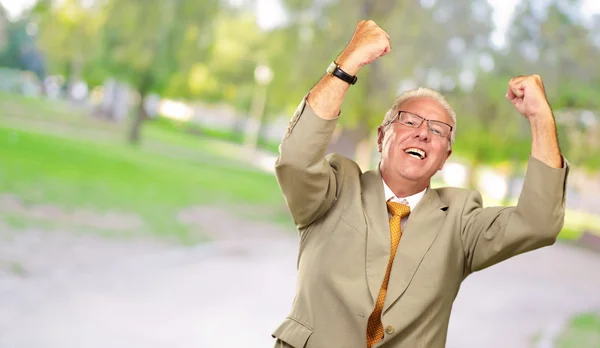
416,153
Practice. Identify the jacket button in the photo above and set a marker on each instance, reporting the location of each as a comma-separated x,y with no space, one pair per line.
389,330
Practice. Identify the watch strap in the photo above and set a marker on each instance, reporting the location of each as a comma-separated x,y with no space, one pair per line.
335,70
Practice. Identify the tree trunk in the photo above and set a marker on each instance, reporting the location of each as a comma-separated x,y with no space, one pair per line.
140,116
136,126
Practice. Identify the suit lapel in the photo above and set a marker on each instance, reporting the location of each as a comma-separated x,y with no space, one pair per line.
419,233
378,230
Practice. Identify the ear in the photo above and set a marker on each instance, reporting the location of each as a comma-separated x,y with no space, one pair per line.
447,156
380,135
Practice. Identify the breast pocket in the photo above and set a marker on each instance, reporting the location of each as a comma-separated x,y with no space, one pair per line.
293,333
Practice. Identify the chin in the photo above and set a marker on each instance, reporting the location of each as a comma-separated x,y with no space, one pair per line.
412,175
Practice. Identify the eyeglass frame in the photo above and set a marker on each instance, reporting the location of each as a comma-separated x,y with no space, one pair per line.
397,119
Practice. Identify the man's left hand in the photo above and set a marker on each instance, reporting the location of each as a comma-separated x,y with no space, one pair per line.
528,96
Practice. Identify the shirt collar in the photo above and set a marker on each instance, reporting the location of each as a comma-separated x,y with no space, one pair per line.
411,201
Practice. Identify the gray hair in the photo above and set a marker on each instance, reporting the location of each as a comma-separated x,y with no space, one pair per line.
422,92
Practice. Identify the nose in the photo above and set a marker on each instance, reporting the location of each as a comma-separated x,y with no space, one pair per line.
422,132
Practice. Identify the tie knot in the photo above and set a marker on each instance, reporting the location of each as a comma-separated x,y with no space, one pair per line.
398,209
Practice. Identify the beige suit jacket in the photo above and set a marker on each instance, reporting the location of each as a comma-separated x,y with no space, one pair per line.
341,216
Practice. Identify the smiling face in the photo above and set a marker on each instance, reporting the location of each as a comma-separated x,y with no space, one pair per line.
411,156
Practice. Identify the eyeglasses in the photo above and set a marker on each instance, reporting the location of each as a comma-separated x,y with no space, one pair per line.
438,128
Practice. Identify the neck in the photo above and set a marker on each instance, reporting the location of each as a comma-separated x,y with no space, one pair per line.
400,186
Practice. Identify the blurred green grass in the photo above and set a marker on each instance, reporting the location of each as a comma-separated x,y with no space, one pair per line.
170,171
582,331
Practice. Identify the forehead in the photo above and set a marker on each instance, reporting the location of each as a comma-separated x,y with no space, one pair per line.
426,107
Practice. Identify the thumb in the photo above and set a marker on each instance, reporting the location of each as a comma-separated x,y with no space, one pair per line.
510,95
386,50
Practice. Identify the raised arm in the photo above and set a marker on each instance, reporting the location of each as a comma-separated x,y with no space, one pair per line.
307,180
528,95
491,235
368,43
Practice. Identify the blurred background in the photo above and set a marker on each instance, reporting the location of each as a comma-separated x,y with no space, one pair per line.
138,206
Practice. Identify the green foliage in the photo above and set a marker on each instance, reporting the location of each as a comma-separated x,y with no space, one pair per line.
18,47
10,51
421,54
557,46
489,129
226,72
67,35
207,50
134,41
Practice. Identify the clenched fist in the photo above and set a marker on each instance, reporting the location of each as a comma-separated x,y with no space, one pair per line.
368,43
528,96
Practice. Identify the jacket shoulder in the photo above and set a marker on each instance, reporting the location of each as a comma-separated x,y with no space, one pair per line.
455,195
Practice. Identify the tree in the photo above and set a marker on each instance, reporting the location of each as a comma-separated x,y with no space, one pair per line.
18,45
147,44
554,43
68,33
3,28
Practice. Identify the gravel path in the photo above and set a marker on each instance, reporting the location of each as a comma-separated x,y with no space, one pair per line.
64,290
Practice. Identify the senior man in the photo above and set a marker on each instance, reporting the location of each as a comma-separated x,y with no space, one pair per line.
382,254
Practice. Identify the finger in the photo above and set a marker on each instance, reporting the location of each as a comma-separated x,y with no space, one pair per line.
517,88
510,95
519,91
517,80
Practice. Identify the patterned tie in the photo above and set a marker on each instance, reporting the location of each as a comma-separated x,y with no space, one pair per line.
374,325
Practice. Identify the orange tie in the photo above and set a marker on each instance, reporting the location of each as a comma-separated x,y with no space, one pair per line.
374,325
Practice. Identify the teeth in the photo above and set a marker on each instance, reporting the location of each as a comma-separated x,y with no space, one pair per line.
416,153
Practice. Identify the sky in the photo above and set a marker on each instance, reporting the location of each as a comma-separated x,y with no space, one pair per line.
14,7
270,13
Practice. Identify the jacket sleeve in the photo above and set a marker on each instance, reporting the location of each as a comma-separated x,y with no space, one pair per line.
491,235
307,180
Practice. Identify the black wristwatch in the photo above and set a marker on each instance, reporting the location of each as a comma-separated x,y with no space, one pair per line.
336,71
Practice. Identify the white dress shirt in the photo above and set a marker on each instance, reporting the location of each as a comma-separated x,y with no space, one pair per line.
411,201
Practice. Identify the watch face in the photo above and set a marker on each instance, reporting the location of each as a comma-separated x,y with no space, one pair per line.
331,68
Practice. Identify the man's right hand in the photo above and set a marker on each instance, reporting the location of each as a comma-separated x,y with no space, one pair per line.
368,43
